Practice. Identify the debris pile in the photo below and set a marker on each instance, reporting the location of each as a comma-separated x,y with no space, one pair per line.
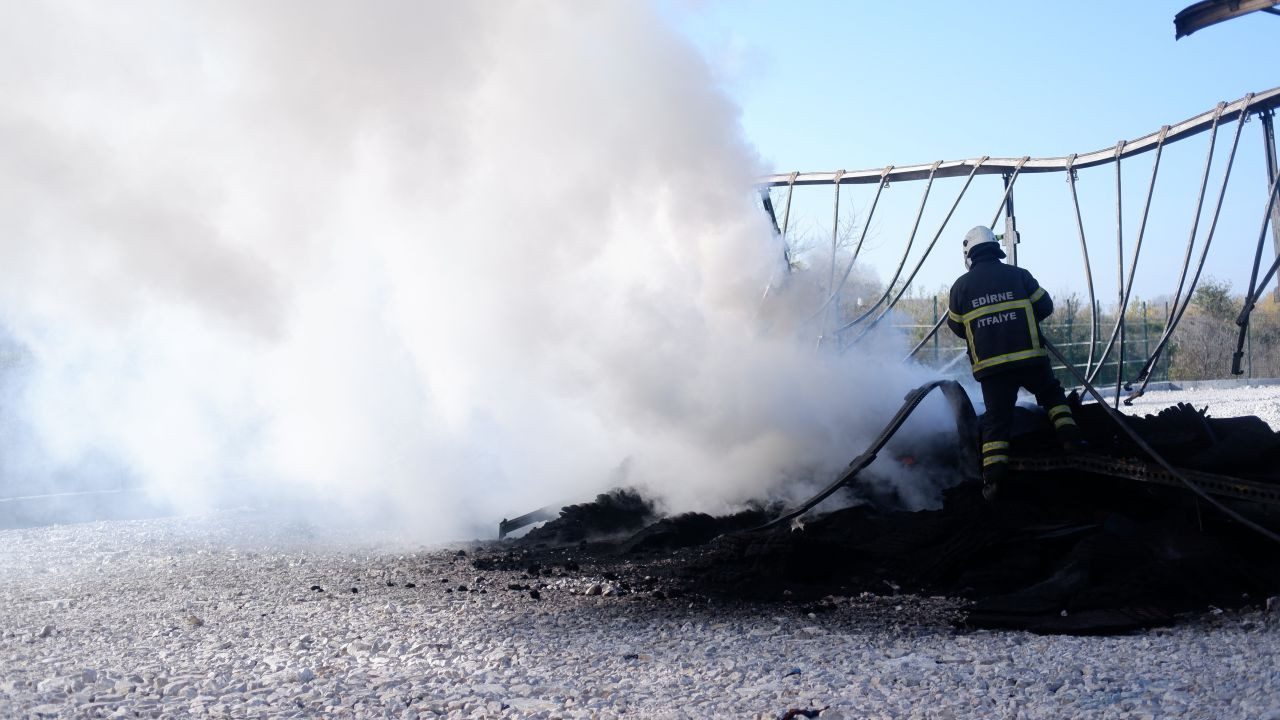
1060,551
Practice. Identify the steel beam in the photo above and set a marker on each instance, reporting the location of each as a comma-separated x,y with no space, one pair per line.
1010,222
1269,147
998,166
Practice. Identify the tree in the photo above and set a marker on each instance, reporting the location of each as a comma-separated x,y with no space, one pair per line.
1213,299
1206,334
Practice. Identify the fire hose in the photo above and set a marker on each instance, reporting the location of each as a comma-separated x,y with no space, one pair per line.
964,412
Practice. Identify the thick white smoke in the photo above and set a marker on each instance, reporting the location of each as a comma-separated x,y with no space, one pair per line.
436,262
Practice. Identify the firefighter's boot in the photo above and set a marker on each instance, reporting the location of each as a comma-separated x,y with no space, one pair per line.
1064,426
992,476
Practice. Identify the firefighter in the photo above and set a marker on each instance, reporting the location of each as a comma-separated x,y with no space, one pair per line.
997,309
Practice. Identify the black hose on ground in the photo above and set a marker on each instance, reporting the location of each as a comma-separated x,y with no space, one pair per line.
966,421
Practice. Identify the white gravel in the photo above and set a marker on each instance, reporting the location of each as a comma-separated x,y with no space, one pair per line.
214,616
1260,400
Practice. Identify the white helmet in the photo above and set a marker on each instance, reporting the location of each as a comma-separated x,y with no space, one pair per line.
980,235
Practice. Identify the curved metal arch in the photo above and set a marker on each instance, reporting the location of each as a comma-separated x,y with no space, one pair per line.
1224,112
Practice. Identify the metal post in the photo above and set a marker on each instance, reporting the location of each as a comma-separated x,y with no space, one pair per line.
1168,364
935,335
1010,223
831,278
1249,339
1269,146
1071,341
1146,343
1120,307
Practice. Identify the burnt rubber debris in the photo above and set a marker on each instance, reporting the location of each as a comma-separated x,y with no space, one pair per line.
1090,546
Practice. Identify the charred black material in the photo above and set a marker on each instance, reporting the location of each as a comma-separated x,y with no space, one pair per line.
612,513
1062,551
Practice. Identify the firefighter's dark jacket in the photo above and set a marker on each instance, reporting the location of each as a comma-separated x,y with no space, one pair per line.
997,308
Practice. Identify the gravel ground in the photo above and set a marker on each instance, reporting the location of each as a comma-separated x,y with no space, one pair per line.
238,615
1260,400
220,615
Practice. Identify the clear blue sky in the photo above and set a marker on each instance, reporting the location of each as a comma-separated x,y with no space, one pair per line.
829,85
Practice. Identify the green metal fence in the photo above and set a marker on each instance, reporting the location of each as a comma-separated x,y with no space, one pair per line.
1143,326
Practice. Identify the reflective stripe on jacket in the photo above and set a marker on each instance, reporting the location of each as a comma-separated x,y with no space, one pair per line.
997,308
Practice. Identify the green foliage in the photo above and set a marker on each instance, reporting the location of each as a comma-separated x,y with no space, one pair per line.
1213,299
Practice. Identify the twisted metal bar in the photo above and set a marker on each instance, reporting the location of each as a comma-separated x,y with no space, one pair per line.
888,290
1008,188
1204,254
766,200
925,256
835,231
1119,275
786,211
856,250
1088,270
1255,289
1149,365
1137,246
835,242
927,337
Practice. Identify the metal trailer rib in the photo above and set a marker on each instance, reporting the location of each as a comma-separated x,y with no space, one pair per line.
932,243
831,277
1088,271
997,166
1204,254
786,211
1149,365
767,203
1255,288
1137,248
866,225
915,227
1119,276
927,337
1242,320
1008,188
1269,148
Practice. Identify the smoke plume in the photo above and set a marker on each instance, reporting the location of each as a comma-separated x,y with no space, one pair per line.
424,262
